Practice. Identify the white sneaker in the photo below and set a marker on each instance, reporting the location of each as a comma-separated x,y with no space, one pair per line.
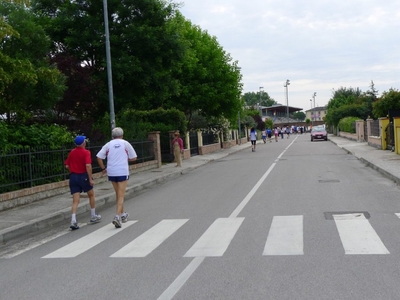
74,226
95,218
124,218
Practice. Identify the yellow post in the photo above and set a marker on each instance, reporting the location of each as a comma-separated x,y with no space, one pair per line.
396,126
383,123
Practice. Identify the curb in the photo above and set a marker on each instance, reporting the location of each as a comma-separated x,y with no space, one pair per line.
102,201
372,165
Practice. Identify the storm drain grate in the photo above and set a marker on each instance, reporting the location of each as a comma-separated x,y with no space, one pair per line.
329,215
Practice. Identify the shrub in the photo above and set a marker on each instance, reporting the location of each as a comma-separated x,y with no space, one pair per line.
347,124
137,124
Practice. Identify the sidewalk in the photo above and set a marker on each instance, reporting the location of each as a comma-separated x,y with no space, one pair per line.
384,161
31,218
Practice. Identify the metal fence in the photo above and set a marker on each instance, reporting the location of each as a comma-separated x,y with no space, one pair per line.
209,138
28,167
375,128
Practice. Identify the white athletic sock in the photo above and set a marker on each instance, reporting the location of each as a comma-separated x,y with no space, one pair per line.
93,211
73,218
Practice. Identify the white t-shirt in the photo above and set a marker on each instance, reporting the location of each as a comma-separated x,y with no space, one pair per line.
117,152
253,135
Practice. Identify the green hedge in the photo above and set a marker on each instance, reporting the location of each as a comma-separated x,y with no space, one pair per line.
137,124
36,135
347,124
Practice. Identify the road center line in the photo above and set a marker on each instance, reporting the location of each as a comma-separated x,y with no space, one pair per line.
246,199
175,286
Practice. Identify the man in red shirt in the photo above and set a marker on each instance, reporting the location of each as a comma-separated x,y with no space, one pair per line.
79,163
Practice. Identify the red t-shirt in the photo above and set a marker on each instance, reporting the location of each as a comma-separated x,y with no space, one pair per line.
77,160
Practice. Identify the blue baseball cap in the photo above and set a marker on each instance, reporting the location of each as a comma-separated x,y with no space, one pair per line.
79,140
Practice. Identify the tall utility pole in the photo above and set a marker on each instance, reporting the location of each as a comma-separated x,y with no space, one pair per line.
240,138
287,83
109,73
311,113
314,95
259,103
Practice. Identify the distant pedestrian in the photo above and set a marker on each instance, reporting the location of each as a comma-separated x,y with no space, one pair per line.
79,163
287,131
177,145
118,153
264,136
269,134
276,133
253,139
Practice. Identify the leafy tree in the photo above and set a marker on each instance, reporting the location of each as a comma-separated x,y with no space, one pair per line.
371,96
30,84
388,100
254,98
343,96
83,90
269,123
299,115
345,102
144,47
248,121
350,110
209,79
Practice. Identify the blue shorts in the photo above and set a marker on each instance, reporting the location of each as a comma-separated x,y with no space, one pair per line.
79,183
118,178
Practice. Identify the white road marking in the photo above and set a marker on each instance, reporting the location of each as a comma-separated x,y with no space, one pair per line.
285,236
170,292
216,239
151,239
358,236
24,246
85,243
175,286
246,199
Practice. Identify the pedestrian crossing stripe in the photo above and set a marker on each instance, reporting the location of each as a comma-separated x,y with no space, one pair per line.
87,242
216,239
358,236
285,237
151,239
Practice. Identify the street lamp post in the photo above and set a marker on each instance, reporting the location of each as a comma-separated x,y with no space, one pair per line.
311,113
287,83
240,138
259,103
314,95
109,73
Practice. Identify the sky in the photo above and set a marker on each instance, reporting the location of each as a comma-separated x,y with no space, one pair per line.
318,45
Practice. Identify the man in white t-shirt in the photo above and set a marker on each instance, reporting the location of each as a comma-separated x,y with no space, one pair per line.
118,153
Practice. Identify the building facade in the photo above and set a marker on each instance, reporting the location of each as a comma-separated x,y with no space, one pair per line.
316,113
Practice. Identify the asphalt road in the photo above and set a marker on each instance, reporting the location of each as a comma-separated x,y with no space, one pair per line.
293,220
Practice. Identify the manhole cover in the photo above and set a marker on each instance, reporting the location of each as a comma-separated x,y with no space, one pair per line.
352,214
